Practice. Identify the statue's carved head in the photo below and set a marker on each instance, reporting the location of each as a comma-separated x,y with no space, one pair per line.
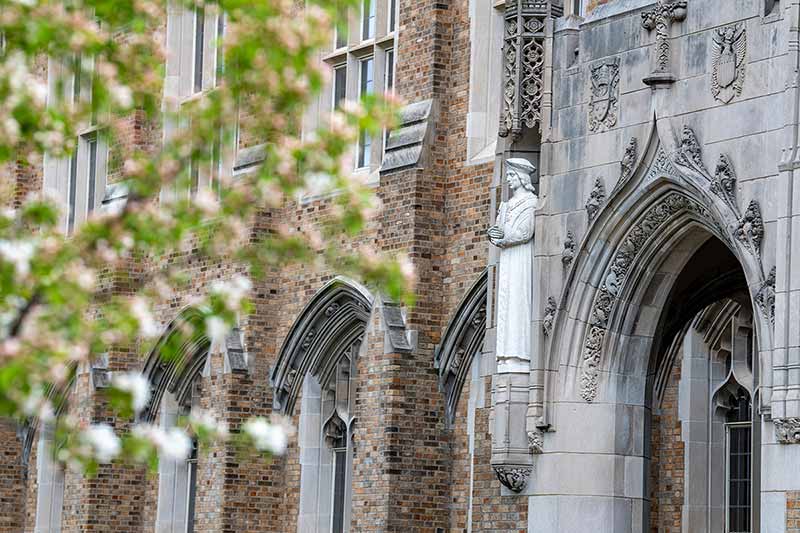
521,170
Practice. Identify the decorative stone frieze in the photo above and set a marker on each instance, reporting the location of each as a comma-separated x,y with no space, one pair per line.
514,477
750,230
596,199
787,430
724,182
549,315
690,154
765,298
568,254
613,281
660,19
536,442
604,100
523,63
729,53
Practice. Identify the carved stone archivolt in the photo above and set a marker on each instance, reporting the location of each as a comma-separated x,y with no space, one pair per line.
612,284
549,315
750,230
604,100
523,64
660,19
514,477
787,430
568,254
724,182
728,63
596,199
765,298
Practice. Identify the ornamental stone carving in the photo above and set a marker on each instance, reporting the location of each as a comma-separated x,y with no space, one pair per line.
729,53
512,234
690,154
549,315
604,100
660,19
596,199
614,280
523,63
766,296
568,254
787,430
750,230
514,477
536,442
724,182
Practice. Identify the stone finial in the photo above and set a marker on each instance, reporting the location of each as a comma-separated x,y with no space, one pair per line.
568,254
514,477
660,19
724,182
596,199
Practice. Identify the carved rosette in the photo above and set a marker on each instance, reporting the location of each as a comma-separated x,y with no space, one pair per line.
514,477
536,442
689,154
549,316
724,182
568,254
787,430
596,199
613,282
604,99
729,51
750,230
523,68
765,298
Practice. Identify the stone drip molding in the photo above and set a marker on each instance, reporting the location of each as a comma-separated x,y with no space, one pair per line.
514,477
614,280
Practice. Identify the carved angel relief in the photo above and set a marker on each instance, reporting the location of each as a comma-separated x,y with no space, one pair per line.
729,51
604,102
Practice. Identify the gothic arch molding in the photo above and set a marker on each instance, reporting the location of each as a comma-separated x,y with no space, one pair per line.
332,323
668,202
462,339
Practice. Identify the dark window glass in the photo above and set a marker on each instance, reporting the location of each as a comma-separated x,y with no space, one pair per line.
92,174
740,464
392,15
199,27
192,489
366,87
340,470
389,70
339,85
76,80
219,50
73,186
368,19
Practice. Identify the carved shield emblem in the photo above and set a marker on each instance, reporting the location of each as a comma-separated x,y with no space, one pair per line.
729,51
604,100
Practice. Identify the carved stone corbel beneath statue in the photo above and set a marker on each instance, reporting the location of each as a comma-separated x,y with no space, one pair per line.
514,477
787,430
660,19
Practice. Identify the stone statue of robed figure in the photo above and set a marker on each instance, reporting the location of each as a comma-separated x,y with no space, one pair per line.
513,234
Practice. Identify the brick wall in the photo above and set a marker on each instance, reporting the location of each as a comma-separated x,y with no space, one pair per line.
667,464
793,512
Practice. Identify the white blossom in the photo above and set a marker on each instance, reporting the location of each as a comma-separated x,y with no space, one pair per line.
136,385
216,329
103,441
267,437
141,312
173,444
201,419
19,253
232,291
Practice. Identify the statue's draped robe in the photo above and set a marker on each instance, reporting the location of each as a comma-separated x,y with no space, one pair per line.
514,283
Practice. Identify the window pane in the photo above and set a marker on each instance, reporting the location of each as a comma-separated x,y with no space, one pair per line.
392,15
366,87
389,70
199,27
220,52
73,186
367,80
340,470
192,489
339,85
368,19
92,174
739,478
